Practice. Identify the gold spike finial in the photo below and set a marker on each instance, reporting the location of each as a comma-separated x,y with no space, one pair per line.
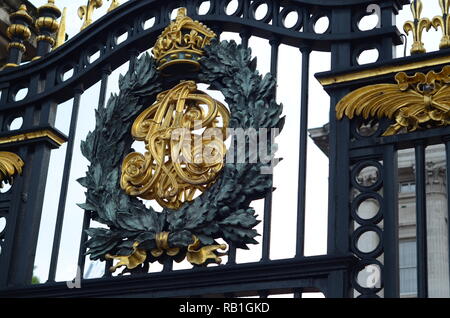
417,26
61,35
182,42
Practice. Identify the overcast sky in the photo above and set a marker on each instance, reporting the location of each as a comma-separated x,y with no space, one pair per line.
285,178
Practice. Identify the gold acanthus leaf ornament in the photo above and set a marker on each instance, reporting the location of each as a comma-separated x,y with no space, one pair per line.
416,102
184,134
198,255
136,258
10,165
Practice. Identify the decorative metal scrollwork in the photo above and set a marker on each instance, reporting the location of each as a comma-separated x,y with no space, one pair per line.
10,165
175,167
415,102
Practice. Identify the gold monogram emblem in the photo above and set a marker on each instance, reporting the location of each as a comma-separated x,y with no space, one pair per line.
184,134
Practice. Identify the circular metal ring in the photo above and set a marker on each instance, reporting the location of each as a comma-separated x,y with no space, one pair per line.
365,291
359,167
356,236
255,5
286,11
364,197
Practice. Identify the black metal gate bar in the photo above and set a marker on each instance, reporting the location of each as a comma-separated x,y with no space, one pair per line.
421,222
447,160
303,153
312,274
390,239
274,45
64,185
106,71
245,36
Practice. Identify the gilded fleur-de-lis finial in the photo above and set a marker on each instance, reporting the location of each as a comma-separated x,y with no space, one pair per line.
417,26
443,22
114,5
87,11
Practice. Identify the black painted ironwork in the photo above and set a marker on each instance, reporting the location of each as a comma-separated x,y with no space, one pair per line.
334,274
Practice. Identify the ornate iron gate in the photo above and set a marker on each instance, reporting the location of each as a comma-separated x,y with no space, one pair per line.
350,152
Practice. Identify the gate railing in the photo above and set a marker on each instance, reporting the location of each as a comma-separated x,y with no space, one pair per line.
68,71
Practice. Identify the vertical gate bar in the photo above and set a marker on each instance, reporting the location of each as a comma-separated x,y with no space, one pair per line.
245,36
107,272
263,294
168,265
133,59
83,239
421,222
274,44
231,254
303,153
339,160
106,71
391,275
64,185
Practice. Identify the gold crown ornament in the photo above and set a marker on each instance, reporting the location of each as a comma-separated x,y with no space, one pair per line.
180,46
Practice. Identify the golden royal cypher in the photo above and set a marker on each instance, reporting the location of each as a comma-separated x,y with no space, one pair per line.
184,133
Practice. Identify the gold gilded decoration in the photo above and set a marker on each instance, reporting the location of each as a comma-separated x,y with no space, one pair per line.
195,254
87,11
415,102
22,14
417,26
384,70
46,38
9,65
18,30
162,244
33,135
180,162
114,5
10,165
50,5
200,255
46,22
18,45
182,42
444,23
131,261
61,34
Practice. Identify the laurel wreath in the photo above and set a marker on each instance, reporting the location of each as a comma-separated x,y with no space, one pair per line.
223,210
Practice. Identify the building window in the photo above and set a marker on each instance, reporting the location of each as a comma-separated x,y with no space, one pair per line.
407,187
408,268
